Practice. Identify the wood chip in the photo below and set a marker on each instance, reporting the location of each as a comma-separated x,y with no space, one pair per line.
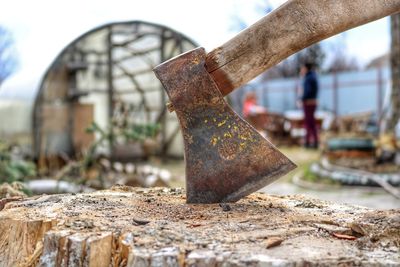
273,242
358,229
225,207
140,222
346,237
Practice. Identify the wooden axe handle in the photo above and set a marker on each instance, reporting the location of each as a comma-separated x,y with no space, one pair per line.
295,25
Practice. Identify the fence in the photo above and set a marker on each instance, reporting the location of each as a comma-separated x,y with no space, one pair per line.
340,93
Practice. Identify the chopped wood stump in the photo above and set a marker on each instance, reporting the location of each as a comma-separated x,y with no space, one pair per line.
127,226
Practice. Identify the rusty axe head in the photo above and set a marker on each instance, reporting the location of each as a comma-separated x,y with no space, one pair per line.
226,158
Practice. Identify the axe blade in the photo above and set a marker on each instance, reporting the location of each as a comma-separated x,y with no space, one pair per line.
226,158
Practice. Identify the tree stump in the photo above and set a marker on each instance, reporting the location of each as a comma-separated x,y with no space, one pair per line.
127,226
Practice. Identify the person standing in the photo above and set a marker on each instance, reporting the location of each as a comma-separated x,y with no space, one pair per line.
309,102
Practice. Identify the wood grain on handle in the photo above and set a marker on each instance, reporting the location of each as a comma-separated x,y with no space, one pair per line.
295,25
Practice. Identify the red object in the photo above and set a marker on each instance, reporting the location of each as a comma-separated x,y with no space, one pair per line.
248,105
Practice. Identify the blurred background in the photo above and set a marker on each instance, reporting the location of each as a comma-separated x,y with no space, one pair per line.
81,110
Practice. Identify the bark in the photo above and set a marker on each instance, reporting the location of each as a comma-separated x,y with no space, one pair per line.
124,226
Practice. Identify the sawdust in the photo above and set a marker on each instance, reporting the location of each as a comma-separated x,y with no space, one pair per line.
259,228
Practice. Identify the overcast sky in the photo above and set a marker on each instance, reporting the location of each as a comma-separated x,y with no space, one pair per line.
43,27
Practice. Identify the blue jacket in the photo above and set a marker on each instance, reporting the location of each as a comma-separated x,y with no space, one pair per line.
310,86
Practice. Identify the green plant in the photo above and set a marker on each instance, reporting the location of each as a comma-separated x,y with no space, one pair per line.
314,178
12,170
140,132
135,132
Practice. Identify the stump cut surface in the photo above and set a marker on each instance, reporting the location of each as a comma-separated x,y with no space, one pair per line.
127,226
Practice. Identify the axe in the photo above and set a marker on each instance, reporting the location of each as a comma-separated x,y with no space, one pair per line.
226,158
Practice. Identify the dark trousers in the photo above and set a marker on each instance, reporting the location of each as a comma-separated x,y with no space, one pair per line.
310,124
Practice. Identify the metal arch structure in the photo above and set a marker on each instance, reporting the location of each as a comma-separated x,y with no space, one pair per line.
101,70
